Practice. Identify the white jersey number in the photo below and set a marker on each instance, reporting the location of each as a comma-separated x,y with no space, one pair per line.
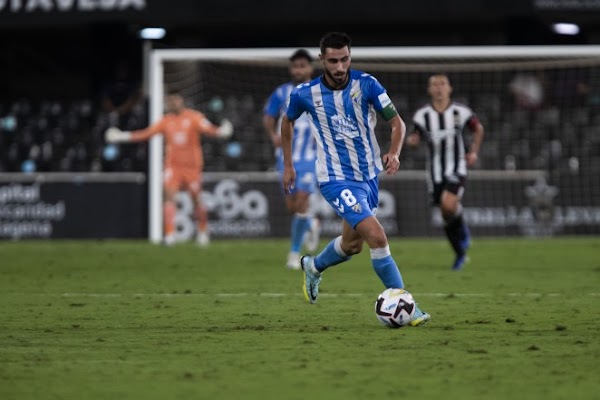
347,197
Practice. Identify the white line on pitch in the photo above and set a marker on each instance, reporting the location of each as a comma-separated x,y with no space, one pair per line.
276,294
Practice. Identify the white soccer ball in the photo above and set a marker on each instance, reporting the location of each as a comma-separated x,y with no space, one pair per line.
395,308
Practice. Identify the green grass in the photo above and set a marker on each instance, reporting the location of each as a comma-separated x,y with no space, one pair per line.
129,320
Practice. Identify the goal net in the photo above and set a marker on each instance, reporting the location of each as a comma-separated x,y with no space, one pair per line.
539,163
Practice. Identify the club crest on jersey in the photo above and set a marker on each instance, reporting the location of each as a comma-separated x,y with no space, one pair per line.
457,121
357,208
344,127
356,96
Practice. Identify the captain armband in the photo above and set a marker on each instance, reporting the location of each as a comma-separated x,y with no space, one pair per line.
388,112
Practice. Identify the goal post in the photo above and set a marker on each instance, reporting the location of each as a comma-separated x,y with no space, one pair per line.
156,102
554,132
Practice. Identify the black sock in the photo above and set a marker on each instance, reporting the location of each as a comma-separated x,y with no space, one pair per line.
455,232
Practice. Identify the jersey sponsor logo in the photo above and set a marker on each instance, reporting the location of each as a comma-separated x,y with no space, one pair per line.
384,99
319,102
180,138
440,134
452,178
344,127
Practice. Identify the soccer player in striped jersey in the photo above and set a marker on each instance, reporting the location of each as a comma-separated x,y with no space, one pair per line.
441,125
305,227
342,104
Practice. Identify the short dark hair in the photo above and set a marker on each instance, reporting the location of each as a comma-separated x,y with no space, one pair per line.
439,73
301,53
334,40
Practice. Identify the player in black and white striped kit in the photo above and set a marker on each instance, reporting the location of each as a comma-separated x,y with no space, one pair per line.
440,125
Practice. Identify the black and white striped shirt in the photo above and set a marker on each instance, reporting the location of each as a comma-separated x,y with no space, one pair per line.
443,133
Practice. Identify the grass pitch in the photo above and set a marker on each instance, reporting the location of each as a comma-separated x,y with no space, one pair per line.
130,320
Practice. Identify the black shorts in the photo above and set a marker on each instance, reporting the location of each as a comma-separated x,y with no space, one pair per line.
455,185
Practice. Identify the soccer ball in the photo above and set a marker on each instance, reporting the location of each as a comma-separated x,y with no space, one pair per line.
395,307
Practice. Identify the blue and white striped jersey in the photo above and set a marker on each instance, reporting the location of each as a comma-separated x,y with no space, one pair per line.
345,122
303,144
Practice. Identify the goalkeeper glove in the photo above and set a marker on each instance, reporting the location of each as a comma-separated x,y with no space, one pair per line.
225,130
115,135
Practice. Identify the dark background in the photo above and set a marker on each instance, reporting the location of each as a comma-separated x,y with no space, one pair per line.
69,49
59,59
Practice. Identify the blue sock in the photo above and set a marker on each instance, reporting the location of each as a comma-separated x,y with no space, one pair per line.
386,268
466,237
331,255
300,224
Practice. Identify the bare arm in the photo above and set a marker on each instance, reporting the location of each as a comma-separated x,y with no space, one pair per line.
289,173
413,139
270,125
391,160
478,133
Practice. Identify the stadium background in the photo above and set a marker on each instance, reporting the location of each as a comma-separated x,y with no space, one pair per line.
60,59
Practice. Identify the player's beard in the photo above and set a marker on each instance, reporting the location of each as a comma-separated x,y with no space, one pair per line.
339,79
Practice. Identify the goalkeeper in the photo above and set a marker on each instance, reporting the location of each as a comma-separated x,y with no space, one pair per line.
181,128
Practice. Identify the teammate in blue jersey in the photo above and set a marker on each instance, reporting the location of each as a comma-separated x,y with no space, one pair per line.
305,227
342,104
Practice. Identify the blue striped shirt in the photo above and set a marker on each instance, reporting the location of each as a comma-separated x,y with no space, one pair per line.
345,122
303,144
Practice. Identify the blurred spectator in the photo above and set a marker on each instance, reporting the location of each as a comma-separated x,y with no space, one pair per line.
122,92
570,88
527,90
